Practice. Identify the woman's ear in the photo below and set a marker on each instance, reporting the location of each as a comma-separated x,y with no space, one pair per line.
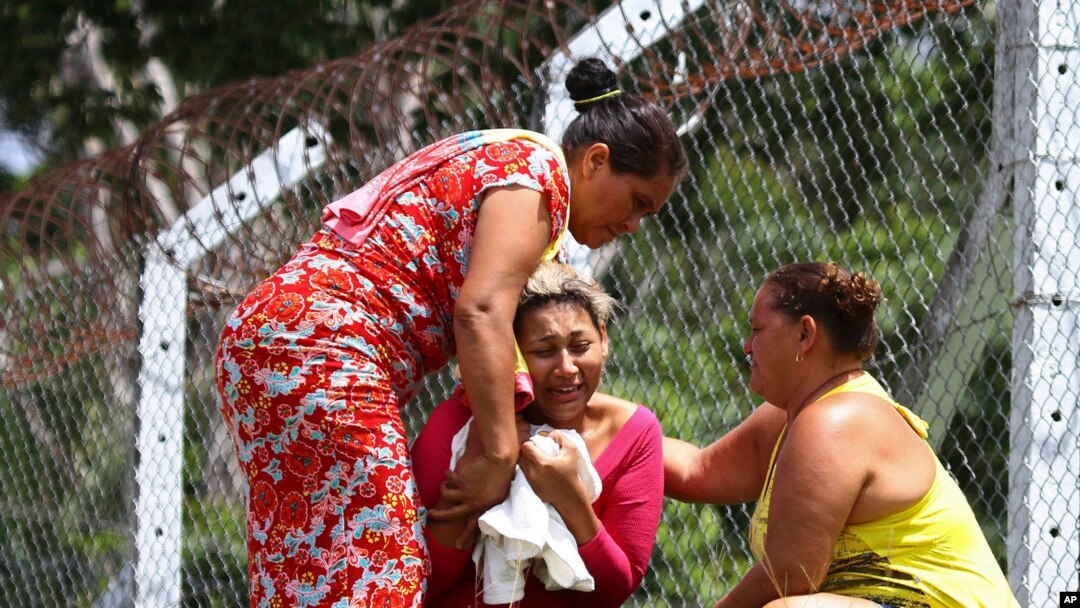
603,341
596,156
807,332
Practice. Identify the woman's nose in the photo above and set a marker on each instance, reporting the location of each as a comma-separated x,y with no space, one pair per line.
566,364
631,225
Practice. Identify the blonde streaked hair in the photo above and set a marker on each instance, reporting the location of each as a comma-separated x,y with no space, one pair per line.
557,283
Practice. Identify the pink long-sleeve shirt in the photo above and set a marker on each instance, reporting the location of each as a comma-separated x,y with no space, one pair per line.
631,470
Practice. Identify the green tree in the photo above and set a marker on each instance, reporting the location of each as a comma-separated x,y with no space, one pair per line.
89,76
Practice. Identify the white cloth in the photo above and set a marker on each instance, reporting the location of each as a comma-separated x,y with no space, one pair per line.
524,531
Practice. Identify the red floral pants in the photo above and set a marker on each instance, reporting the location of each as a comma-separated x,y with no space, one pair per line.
307,387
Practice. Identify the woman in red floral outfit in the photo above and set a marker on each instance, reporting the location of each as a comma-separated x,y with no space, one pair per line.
423,263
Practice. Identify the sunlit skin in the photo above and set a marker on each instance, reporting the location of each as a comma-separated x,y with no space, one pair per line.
565,354
605,204
772,345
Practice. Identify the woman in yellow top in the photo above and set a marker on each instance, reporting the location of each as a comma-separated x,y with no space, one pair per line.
854,509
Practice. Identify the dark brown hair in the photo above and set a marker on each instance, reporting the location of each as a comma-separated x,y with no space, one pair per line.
842,302
640,135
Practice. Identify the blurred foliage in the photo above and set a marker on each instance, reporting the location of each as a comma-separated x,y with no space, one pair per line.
972,450
63,520
84,67
7,179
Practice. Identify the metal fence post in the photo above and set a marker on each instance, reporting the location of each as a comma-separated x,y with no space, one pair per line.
160,436
1038,45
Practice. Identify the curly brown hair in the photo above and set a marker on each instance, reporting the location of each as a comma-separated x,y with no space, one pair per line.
841,301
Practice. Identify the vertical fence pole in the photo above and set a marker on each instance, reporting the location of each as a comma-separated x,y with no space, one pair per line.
1040,62
160,437
163,313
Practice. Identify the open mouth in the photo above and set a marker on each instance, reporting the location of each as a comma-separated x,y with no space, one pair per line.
565,392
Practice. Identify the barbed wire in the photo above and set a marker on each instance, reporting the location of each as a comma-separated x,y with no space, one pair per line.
456,63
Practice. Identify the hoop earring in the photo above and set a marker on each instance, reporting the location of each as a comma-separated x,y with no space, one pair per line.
799,358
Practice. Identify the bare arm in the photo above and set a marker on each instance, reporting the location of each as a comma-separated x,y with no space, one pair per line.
755,589
512,231
432,452
820,473
728,471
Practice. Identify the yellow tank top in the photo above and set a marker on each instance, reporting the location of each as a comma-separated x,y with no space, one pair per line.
930,555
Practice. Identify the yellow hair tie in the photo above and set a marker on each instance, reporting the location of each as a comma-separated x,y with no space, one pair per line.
612,93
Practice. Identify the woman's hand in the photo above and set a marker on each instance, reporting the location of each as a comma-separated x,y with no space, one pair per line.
476,486
553,478
454,492
465,487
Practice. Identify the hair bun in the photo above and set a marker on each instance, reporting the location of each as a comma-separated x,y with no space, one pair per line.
590,78
857,295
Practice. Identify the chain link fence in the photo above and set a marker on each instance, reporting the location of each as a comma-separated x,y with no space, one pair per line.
930,144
